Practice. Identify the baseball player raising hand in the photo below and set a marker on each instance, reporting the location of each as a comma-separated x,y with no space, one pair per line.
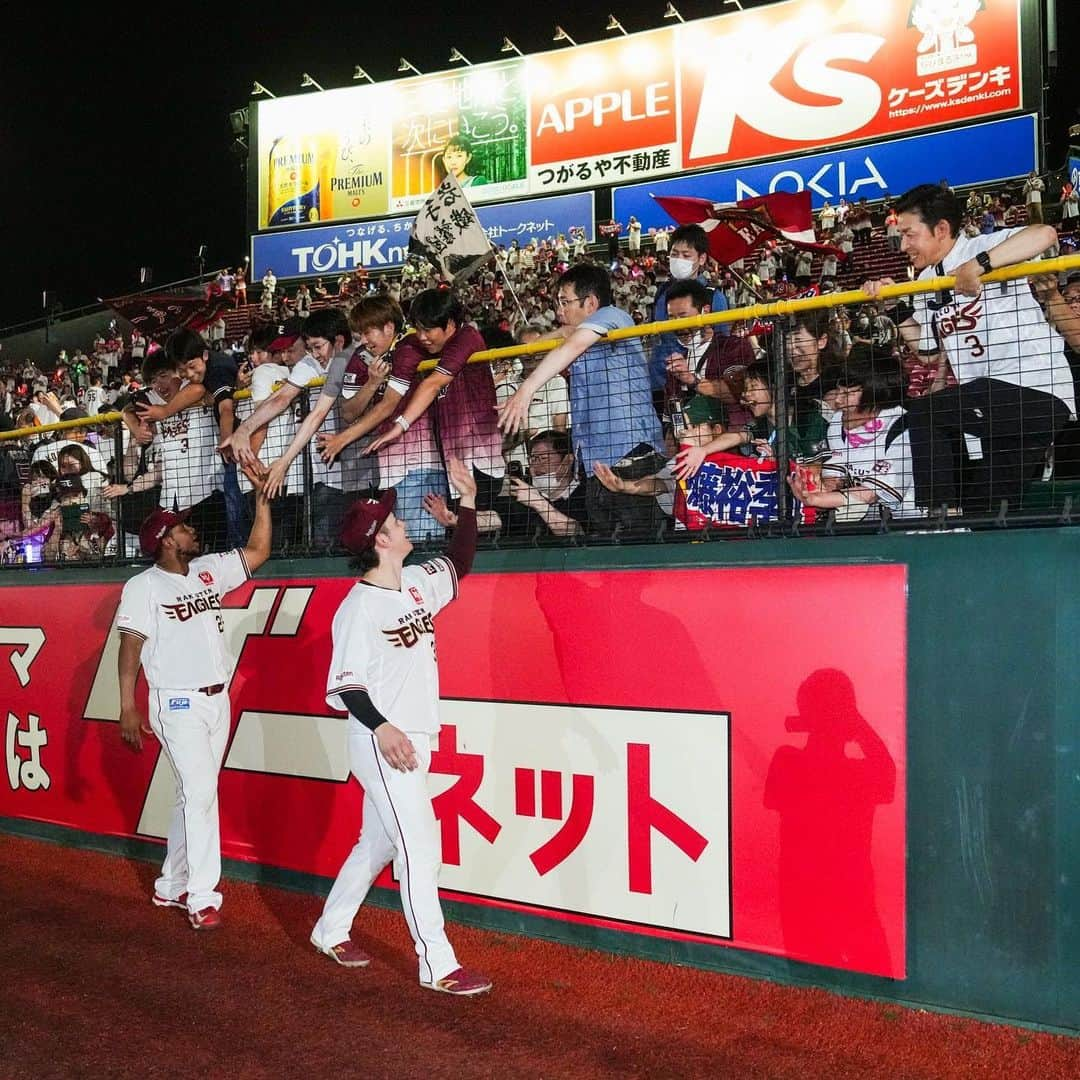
384,673
170,622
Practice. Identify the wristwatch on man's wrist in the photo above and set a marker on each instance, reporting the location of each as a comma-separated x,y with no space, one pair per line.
983,259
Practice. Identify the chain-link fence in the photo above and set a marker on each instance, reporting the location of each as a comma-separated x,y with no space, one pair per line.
919,407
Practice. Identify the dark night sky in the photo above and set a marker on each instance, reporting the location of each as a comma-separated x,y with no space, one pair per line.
114,141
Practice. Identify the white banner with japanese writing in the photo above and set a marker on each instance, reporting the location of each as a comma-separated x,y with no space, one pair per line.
615,813
448,233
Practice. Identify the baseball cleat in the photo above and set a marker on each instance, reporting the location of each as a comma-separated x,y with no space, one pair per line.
346,953
165,901
461,983
207,919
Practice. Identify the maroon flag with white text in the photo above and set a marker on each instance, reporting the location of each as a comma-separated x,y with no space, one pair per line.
159,314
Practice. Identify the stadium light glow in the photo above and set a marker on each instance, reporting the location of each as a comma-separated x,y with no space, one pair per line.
258,88
614,24
307,80
509,46
360,73
404,65
562,35
672,12
456,57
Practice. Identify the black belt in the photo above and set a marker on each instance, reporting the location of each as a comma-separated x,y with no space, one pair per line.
210,691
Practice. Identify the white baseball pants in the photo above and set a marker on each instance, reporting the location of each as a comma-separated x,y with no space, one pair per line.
193,729
399,824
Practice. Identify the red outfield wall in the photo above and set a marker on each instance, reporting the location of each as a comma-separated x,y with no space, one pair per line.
630,749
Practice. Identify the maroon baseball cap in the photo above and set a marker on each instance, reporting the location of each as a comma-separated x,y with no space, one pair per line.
153,529
364,519
288,332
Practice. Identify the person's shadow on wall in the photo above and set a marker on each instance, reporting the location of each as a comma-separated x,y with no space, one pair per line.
826,800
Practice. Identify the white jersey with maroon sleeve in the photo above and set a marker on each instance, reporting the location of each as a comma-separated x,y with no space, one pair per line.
178,619
384,643
1000,334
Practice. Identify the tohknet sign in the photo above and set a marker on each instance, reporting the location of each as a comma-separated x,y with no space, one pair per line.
777,81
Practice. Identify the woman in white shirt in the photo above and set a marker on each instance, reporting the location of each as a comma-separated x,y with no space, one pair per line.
870,456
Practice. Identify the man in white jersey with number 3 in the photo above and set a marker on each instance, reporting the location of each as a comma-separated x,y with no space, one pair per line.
384,673
1014,389
170,622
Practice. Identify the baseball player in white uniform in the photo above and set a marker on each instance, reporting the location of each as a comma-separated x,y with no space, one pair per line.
170,622
384,673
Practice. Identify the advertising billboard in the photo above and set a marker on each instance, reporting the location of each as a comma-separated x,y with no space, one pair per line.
336,249
785,77
471,123
605,760
782,80
323,164
977,154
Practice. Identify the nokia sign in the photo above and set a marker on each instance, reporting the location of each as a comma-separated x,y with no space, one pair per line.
980,153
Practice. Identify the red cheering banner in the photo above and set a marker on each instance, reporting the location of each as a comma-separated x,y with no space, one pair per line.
730,490
734,230
608,756
788,77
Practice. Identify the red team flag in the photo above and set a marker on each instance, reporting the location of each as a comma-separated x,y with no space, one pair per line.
737,229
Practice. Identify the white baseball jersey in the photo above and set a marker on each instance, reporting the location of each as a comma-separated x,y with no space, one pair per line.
95,400
191,468
861,459
1000,334
384,643
178,618
280,432
306,369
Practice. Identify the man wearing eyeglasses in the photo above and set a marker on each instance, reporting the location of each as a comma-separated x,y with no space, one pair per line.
614,422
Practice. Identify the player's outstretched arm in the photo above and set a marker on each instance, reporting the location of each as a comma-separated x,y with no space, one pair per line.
463,543
132,725
257,549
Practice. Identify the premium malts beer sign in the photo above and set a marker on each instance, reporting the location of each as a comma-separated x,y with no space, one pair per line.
781,80
323,159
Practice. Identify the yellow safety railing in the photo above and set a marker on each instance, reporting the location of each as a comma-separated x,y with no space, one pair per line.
754,312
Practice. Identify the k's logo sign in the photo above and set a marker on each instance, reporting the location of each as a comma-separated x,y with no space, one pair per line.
741,86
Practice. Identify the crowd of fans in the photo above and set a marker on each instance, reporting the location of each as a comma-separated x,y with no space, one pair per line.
592,438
